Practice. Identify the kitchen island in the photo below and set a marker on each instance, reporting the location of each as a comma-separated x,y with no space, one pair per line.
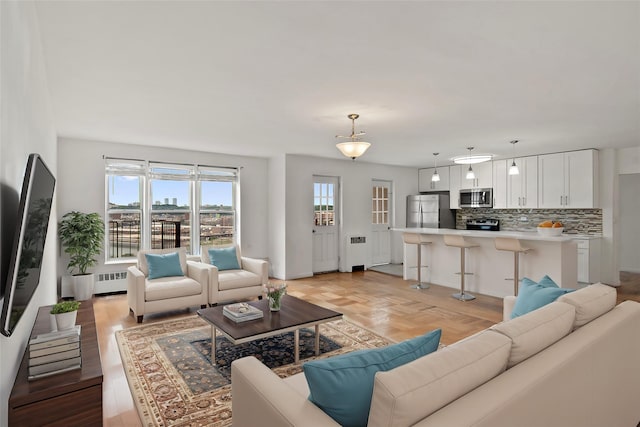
492,269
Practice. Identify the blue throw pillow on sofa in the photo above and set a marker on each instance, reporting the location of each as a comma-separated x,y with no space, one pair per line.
164,265
532,295
342,386
224,258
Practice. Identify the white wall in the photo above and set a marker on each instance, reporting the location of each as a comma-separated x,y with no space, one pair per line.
26,126
82,186
277,216
355,198
629,196
629,207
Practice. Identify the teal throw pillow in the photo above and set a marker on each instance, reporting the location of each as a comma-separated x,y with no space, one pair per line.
164,265
224,258
532,295
342,386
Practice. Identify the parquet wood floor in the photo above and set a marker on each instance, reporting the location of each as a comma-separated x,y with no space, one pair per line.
382,303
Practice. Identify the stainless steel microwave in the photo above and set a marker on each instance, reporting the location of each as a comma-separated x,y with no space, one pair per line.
476,198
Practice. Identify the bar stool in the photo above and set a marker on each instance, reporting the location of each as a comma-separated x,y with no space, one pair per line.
418,240
513,245
459,242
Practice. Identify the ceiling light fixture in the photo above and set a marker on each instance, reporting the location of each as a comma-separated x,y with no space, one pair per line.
436,176
513,169
470,173
468,159
354,147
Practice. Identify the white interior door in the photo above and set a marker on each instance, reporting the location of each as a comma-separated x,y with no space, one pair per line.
380,222
325,224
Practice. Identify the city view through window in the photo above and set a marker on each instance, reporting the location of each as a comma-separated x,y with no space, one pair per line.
172,214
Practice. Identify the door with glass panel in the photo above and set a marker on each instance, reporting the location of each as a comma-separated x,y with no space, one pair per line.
380,222
325,224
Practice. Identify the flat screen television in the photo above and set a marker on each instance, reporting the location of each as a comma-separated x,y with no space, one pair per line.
28,244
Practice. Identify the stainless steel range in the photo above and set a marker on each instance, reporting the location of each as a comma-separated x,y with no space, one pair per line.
486,224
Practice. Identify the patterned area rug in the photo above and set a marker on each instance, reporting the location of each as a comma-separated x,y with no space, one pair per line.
172,382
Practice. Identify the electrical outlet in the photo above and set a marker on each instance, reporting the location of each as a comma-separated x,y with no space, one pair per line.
524,219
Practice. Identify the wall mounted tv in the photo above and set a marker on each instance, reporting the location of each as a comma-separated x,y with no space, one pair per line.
28,244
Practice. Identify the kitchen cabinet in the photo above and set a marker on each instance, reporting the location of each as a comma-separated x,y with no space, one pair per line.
522,189
568,180
424,180
454,187
483,173
588,260
499,184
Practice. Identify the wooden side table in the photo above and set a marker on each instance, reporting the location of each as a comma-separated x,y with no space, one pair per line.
72,398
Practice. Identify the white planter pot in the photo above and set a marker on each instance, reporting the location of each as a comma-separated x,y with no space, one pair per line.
66,321
83,285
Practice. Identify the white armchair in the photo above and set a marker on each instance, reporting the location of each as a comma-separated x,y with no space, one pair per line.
235,284
146,295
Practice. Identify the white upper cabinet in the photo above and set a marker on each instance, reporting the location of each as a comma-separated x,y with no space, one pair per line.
483,173
499,184
568,180
424,180
454,187
522,189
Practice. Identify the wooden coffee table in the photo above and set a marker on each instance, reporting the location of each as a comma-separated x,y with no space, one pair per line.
294,314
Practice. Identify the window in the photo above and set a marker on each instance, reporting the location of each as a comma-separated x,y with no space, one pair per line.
158,205
323,203
380,205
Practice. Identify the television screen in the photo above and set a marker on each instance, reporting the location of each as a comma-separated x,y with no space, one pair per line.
28,245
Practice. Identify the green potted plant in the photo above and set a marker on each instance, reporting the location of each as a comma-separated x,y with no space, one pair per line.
82,235
65,313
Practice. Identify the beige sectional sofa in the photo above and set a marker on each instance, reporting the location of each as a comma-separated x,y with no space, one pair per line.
574,362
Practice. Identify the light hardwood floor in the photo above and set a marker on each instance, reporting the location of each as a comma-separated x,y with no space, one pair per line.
383,303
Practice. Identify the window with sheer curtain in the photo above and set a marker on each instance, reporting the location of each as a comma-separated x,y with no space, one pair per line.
163,205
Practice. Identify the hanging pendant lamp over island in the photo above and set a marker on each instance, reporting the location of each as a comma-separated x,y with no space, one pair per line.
353,148
513,169
436,176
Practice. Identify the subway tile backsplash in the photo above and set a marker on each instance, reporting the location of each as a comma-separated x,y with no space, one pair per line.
575,221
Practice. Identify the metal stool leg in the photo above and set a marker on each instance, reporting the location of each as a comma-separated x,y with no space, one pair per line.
516,272
462,296
420,285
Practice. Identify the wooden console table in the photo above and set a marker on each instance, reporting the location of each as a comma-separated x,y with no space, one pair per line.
72,398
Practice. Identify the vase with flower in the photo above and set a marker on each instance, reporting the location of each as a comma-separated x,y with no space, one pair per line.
274,295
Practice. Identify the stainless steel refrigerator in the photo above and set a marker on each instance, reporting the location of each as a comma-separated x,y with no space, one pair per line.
429,211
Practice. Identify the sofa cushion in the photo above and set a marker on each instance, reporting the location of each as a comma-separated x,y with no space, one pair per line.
142,259
535,331
171,287
163,265
224,258
532,295
204,252
411,392
342,386
590,302
235,279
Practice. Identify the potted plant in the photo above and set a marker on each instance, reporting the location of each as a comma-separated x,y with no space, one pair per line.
65,313
82,235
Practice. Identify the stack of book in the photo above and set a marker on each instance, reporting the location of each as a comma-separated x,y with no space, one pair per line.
242,312
54,352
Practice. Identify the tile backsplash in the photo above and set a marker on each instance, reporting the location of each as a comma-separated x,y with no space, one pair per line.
575,221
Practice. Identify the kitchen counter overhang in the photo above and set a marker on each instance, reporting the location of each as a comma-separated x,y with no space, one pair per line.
492,270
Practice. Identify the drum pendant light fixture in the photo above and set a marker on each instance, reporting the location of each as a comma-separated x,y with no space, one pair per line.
353,148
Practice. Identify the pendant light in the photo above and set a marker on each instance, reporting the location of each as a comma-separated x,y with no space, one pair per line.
436,176
470,173
353,148
513,169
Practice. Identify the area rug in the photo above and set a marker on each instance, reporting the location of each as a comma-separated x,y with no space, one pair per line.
173,383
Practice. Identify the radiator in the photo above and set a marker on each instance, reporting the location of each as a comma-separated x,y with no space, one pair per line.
355,253
105,283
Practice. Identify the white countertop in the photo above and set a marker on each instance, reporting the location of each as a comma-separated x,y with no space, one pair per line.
523,235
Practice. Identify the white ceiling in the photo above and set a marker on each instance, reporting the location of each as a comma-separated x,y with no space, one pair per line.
271,77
